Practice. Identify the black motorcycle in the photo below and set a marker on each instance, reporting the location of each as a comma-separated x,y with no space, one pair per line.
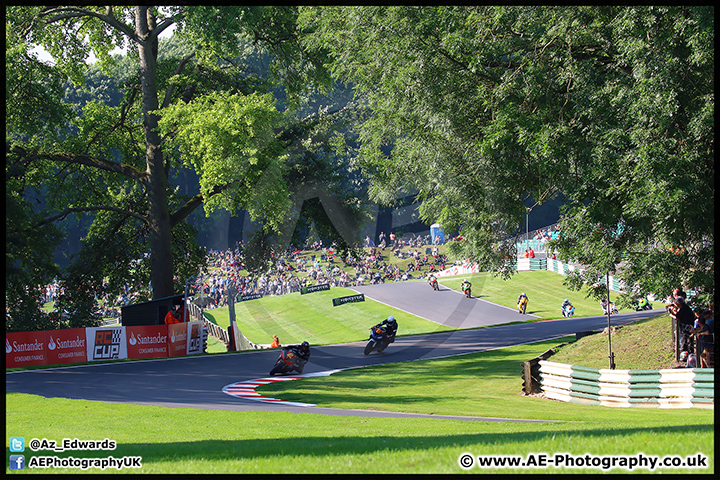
380,338
288,361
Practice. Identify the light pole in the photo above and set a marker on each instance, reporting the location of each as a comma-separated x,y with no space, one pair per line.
611,356
185,313
527,224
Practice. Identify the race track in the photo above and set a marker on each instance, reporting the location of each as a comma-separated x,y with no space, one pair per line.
198,381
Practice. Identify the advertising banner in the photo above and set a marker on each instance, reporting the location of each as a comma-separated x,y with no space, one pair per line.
314,288
459,270
106,343
194,343
177,339
147,341
349,299
66,346
23,349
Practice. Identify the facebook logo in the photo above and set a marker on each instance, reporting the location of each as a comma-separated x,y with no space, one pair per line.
17,444
17,462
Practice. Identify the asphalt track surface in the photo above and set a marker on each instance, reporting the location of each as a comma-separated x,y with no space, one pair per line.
197,381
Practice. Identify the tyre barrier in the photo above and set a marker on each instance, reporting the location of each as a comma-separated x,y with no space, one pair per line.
665,388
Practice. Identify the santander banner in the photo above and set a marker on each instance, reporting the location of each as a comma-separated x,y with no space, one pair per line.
147,341
66,346
23,349
52,347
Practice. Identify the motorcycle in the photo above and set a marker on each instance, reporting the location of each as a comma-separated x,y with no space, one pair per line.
522,305
645,306
434,284
288,361
467,293
568,311
379,339
611,307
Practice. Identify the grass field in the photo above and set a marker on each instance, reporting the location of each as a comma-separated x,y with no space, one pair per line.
488,384
483,384
312,317
294,317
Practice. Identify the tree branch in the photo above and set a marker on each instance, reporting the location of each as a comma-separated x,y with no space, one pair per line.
192,204
178,71
63,13
99,163
68,211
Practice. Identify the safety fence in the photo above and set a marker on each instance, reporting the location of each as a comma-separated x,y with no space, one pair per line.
220,333
665,388
553,265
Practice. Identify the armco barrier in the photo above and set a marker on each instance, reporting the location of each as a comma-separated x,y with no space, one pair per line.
666,388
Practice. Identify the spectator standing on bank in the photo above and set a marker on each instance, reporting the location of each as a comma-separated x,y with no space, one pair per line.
685,319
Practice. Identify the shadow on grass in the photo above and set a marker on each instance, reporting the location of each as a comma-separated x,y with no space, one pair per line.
289,444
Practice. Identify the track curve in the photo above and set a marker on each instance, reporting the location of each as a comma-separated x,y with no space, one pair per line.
198,381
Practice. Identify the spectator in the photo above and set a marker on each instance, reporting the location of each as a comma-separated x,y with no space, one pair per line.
172,317
685,319
706,339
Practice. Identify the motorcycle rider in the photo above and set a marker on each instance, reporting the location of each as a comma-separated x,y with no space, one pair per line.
432,280
302,351
566,305
465,285
391,325
520,302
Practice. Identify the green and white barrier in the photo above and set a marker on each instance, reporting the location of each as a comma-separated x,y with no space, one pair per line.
666,388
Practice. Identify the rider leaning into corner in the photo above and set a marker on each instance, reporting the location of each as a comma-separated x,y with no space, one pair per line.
391,325
302,350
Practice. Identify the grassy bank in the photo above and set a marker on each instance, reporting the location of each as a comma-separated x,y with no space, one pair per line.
294,317
487,384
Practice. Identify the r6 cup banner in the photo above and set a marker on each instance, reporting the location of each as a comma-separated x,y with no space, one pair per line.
106,343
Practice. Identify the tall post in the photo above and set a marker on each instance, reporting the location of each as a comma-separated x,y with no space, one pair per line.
611,356
185,306
527,224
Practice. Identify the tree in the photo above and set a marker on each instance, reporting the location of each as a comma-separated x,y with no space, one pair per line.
478,109
115,160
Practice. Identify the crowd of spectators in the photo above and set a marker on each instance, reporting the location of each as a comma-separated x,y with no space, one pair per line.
295,269
695,329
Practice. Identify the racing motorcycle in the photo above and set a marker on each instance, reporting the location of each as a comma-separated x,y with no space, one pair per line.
288,361
642,305
434,283
568,311
379,339
466,291
611,306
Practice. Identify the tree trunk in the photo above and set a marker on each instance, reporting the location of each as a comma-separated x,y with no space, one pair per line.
161,262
